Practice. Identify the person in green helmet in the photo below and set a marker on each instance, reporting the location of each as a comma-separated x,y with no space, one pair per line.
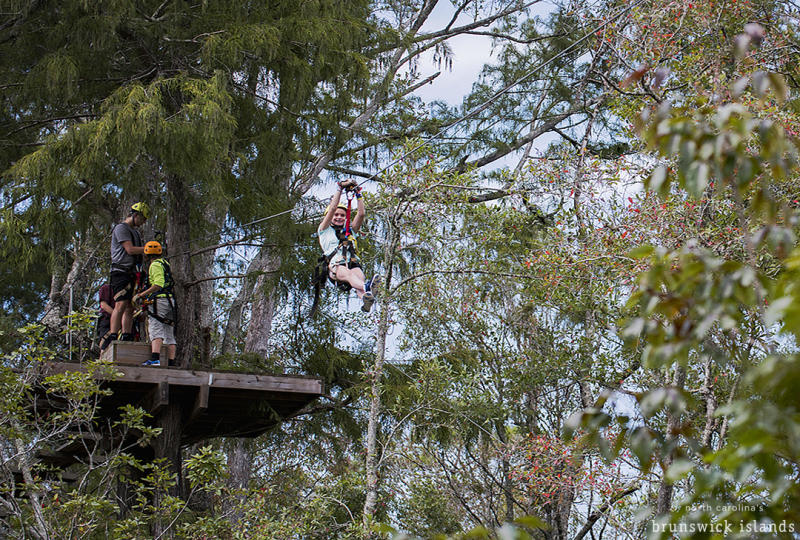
126,257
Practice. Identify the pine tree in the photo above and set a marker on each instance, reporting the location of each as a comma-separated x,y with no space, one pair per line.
198,109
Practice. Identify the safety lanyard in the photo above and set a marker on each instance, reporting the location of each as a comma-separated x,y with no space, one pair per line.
347,231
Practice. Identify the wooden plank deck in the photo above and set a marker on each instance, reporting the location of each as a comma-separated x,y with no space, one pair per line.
214,404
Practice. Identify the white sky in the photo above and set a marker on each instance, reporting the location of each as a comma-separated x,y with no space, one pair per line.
470,54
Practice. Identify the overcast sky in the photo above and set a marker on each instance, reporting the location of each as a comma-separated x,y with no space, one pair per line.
470,54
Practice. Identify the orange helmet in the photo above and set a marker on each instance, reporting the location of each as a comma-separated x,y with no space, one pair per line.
152,248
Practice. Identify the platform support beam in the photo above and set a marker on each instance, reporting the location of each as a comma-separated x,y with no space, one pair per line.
158,398
200,403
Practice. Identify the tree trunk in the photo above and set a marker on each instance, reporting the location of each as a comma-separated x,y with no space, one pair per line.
233,328
187,298
167,446
54,309
240,466
371,499
240,453
214,217
665,488
39,528
57,307
711,405
263,307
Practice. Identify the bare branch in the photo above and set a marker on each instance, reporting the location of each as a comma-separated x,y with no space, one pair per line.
515,39
485,272
353,172
597,514
516,144
34,123
228,276
238,242
449,32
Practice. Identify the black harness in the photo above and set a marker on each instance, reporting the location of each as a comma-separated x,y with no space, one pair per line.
168,292
347,250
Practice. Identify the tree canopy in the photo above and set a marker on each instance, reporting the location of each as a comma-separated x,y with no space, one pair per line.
589,313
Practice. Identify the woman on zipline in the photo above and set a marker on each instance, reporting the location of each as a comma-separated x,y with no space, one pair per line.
337,237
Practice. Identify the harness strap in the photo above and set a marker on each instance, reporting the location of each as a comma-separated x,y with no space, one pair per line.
347,231
119,268
167,291
159,318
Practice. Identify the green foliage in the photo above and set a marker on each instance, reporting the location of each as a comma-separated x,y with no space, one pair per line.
206,469
679,306
44,414
209,105
284,509
689,302
427,511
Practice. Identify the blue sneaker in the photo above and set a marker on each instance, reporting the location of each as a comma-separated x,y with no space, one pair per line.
152,363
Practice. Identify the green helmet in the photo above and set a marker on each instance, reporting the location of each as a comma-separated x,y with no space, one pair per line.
142,208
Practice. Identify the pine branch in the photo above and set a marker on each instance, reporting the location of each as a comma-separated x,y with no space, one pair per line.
15,22
34,123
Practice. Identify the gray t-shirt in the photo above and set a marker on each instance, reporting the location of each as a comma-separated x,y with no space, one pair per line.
120,260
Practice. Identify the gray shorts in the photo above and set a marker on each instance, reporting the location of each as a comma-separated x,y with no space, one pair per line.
158,329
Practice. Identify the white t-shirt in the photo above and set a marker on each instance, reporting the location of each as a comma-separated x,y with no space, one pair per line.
328,241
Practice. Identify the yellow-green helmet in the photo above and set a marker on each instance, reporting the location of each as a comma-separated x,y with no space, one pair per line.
341,205
142,208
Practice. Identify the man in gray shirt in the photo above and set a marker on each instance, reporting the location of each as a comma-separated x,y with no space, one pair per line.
126,256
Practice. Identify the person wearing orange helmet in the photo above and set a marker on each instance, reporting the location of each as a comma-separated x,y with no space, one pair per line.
161,312
126,256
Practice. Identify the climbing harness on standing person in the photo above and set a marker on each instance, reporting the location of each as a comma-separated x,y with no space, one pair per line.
159,301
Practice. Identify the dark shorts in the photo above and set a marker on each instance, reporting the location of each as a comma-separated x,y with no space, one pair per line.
122,285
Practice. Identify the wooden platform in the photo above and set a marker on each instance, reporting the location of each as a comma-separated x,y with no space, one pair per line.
214,404
132,353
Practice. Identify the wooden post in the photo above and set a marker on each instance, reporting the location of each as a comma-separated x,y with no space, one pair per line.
157,399
200,403
168,446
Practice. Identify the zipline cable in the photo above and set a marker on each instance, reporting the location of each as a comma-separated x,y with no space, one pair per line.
479,108
484,105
